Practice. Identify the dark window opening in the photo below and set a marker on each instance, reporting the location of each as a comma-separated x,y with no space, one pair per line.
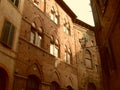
15,2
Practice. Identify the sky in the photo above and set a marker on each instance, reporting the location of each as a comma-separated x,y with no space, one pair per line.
82,9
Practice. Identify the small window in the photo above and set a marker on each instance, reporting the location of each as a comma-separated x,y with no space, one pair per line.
7,34
32,37
39,41
54,48
56,51
88,59
15,2
56,20
67,57
66,28
54,15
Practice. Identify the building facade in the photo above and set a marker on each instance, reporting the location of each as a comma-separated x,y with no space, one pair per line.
107,33
45,48
10,22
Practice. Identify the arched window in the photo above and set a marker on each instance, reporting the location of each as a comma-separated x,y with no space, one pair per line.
36,35
3,79
88,59
54,86
54,15
33,83
66,27
67,55
54,47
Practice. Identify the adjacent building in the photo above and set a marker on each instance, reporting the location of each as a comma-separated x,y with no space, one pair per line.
10,23
44,47
107,16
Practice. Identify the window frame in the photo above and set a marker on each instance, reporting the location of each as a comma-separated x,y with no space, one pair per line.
11,32
68,56
53,49
89,58
54,16
39,40
54,46
32,37
66,28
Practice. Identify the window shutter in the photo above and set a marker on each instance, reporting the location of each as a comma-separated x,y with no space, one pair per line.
11,34
5,32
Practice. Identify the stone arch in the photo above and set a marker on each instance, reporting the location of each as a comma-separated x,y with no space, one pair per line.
69,82
56,77
69,88
91,86
54,86
35,69
38,20
4,80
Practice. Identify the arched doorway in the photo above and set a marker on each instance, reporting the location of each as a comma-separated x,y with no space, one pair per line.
3,79
69,88
33,83
91,86
54,86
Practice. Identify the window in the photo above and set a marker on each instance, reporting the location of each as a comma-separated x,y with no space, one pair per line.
54,48
36,35
15,2
88,59
32,37
51,49
54,15
67,56
7,34
39,41
56,51
66,28
96,68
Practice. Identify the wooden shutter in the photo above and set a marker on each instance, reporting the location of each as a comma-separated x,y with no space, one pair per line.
11,35
7,34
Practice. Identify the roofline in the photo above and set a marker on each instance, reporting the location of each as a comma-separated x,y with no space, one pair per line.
66,9
73,15
77,21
